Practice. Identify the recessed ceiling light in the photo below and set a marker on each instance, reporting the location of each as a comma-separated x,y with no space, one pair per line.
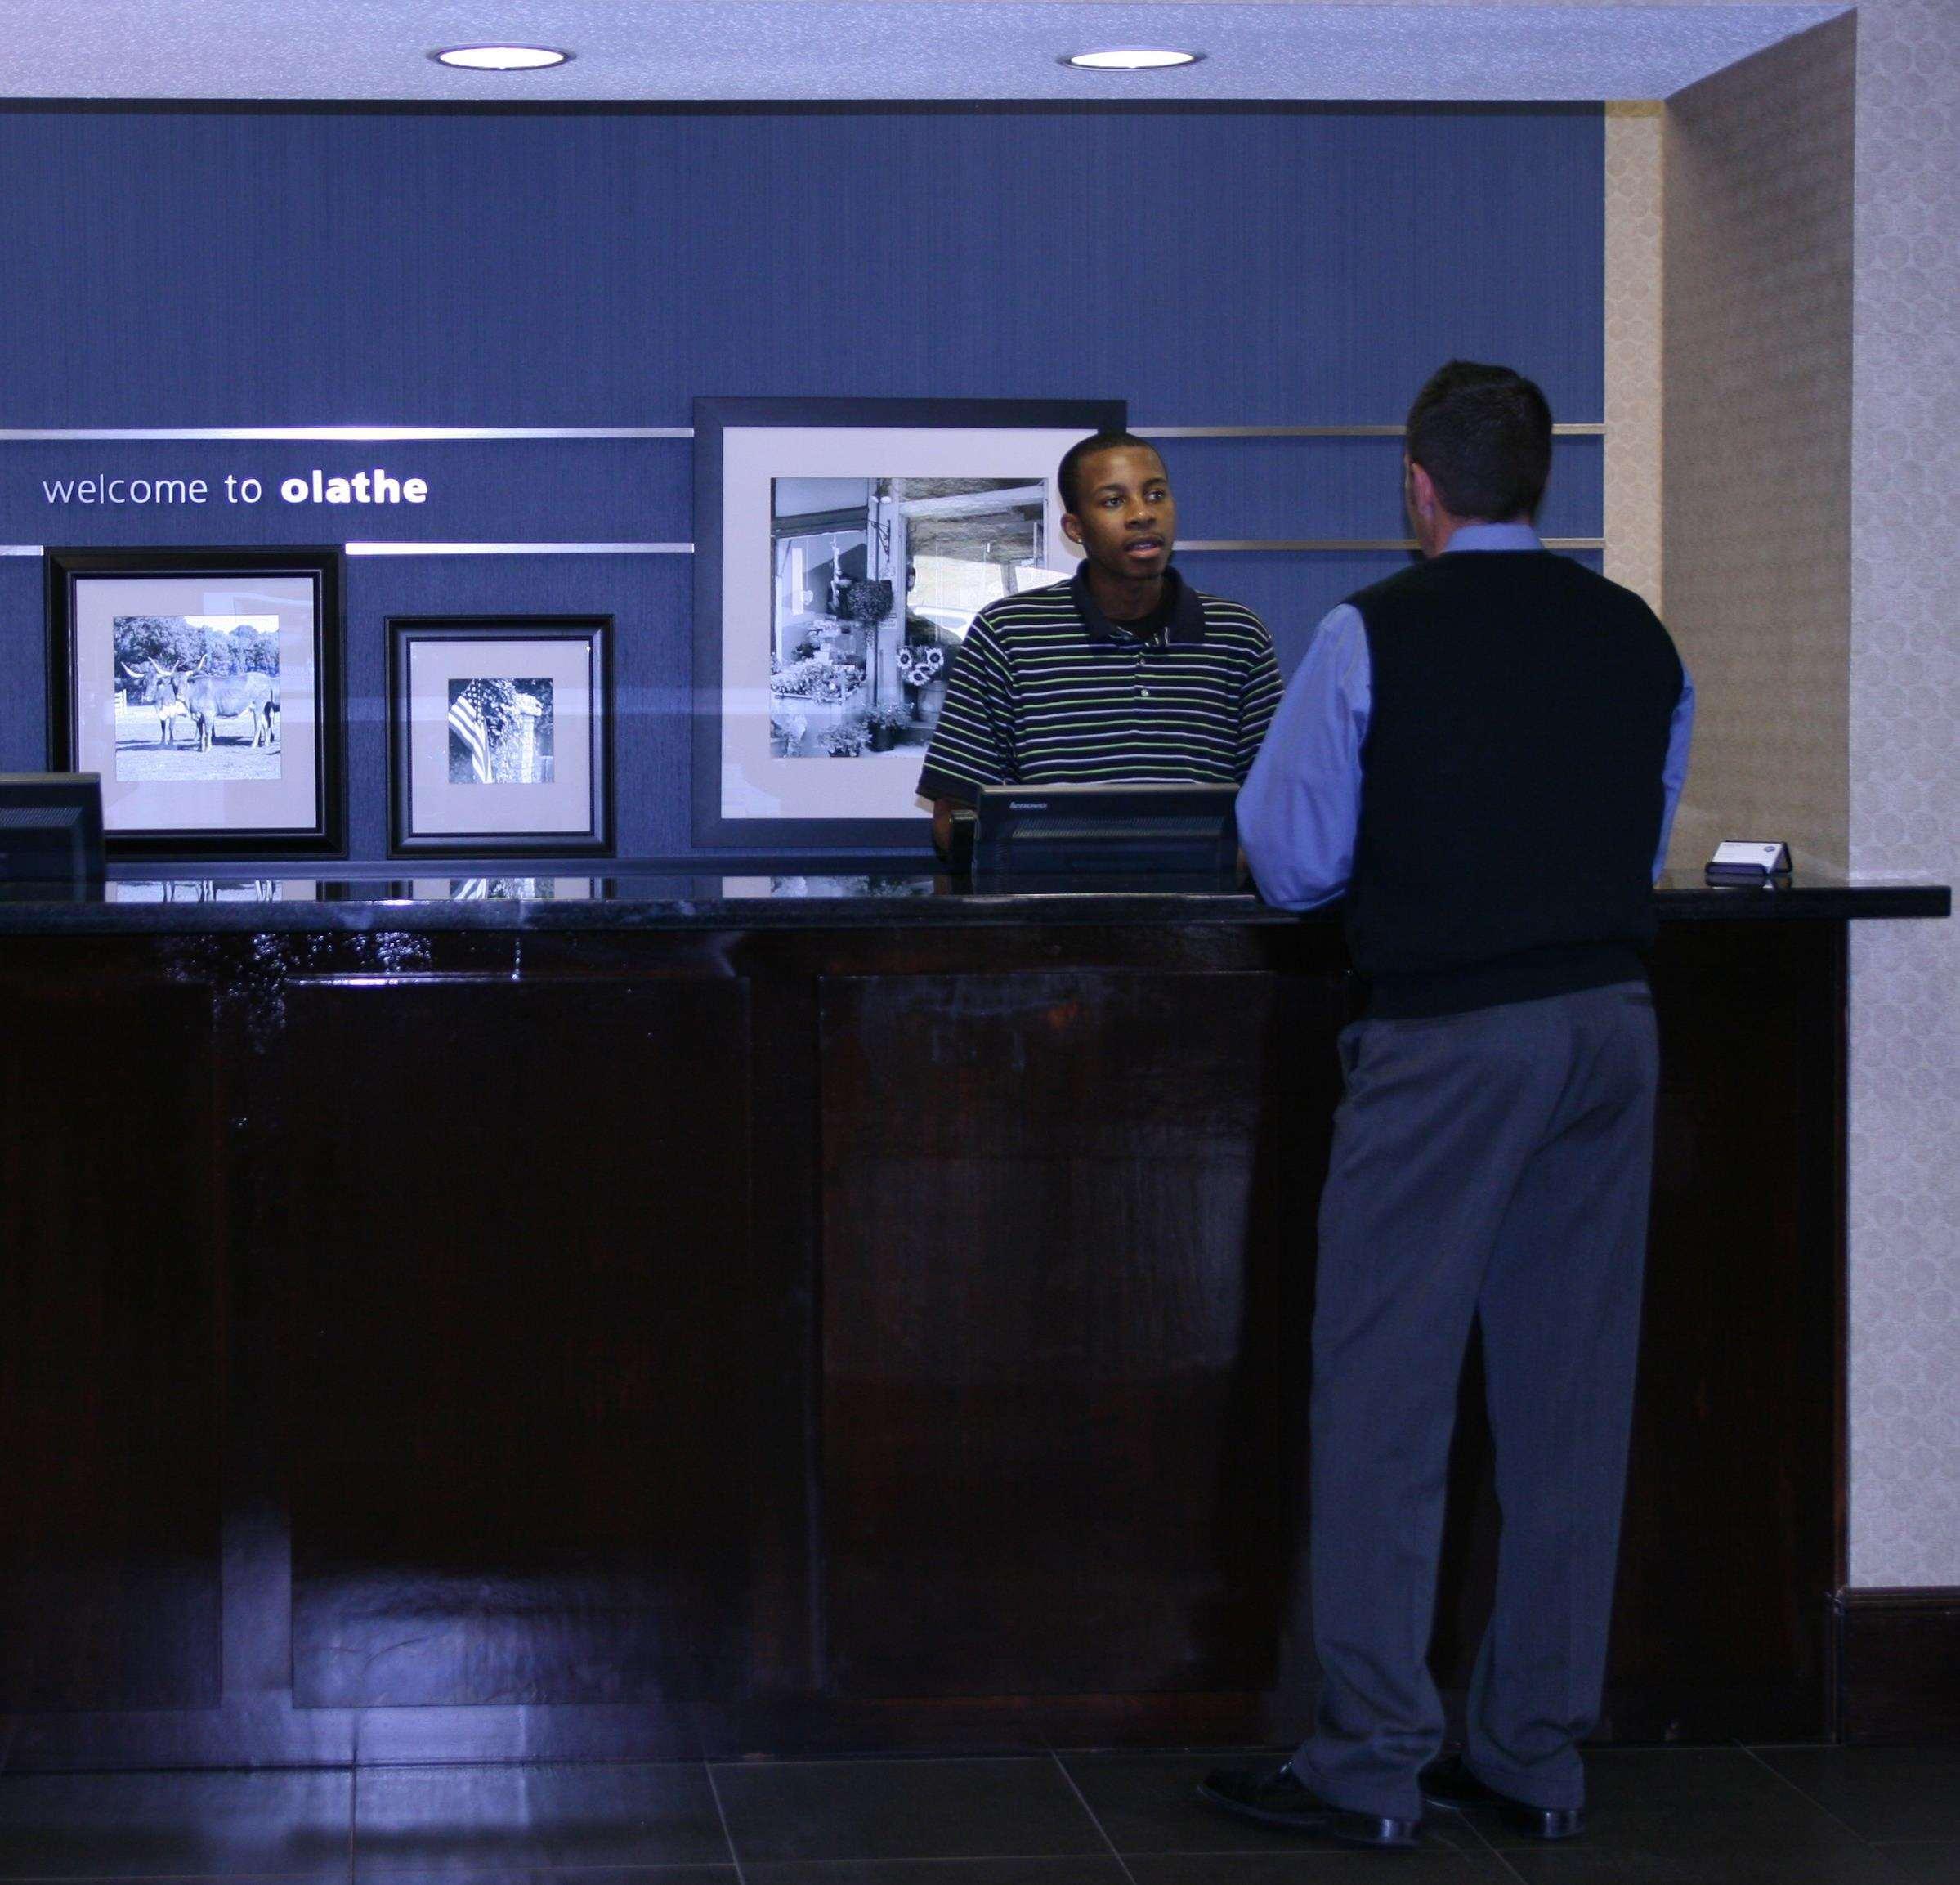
1131,59
501,58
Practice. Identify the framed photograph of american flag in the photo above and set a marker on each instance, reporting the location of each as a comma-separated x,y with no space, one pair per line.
501,736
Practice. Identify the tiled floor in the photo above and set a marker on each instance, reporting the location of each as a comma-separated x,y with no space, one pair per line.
1659,1816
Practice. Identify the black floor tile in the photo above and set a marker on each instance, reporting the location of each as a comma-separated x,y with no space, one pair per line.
1149,1803
1657,1816
1716,1802
1076,1871
1428,1865
1679,1779
571,1875
1883,1793
476,1822
1802,1831
180,1825
1581,1864
917,1809
1925,1862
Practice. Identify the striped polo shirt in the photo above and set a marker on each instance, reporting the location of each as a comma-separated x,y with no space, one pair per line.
1046,690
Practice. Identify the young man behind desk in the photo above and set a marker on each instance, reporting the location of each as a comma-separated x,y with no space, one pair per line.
1125,674
1483,754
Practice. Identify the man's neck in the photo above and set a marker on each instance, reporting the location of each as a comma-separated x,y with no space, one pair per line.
1124,598
1447,526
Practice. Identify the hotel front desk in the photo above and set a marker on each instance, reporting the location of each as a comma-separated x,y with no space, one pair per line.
647,1317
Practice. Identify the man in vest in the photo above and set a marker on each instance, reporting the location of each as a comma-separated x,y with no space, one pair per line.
1482,753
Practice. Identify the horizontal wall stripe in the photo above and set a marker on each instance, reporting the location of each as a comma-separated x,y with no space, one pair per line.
1336,546
1589,428
420,434
519,550
1303,546
337,434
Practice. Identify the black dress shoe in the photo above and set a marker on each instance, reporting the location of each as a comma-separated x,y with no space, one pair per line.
1275,1797
1448,1783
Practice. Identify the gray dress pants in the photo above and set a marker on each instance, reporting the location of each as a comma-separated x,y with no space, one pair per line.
1497,1165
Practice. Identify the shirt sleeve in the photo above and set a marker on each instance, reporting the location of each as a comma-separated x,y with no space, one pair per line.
1258,696
1674,772
1299,808
973,746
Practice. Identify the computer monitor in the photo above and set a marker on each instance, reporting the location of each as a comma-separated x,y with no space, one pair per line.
50,830
1146,833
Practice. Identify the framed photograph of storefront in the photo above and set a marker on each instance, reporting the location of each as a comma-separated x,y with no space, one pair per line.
500,736
204,687
841,548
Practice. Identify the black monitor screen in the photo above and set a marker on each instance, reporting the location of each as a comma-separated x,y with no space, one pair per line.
51,829
1148,831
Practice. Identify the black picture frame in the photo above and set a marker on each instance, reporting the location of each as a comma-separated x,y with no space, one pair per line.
713,417
598,840
324,832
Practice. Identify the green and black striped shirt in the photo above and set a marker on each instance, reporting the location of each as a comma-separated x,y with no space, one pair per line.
1045,690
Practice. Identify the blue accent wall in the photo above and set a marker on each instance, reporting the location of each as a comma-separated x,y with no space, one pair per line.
1278,267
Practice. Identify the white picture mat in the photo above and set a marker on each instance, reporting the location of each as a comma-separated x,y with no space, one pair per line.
439,810
288,802
755,782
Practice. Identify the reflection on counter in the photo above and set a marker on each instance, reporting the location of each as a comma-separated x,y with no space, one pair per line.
213,890
366,901
495,889
741,889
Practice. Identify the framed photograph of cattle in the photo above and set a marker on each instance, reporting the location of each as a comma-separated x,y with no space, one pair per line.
500,736
204,688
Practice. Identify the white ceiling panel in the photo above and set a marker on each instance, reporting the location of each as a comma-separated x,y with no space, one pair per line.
753,50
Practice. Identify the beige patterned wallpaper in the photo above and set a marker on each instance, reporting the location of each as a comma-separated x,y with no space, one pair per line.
1906,798
1633,349
1758,411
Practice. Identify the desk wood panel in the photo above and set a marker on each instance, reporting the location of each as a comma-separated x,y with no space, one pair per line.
516,1216
113,1220
1068,1237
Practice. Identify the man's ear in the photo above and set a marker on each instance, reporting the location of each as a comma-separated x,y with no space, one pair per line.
1424,489
1070,528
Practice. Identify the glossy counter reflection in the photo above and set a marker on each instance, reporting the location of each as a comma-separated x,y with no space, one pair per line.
787,894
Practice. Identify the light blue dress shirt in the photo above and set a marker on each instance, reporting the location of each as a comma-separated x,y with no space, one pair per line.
1300,806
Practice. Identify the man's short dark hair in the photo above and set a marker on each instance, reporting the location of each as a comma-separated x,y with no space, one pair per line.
1069,476
1483,434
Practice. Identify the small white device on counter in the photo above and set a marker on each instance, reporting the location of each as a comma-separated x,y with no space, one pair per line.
1737,860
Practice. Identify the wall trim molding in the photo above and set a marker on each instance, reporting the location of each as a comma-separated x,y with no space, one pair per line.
439,434
1332,546
1896,1657
464,549
330,434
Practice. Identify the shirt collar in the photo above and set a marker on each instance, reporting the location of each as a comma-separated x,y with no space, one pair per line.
1187,623
1495,537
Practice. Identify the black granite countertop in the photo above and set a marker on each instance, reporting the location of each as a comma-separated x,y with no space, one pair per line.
184,901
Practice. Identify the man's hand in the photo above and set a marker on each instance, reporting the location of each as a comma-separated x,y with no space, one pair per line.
942,826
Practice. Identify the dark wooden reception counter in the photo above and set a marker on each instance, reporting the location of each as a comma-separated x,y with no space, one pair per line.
455,1320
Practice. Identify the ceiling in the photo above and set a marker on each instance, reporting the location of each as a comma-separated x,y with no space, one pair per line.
874,49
